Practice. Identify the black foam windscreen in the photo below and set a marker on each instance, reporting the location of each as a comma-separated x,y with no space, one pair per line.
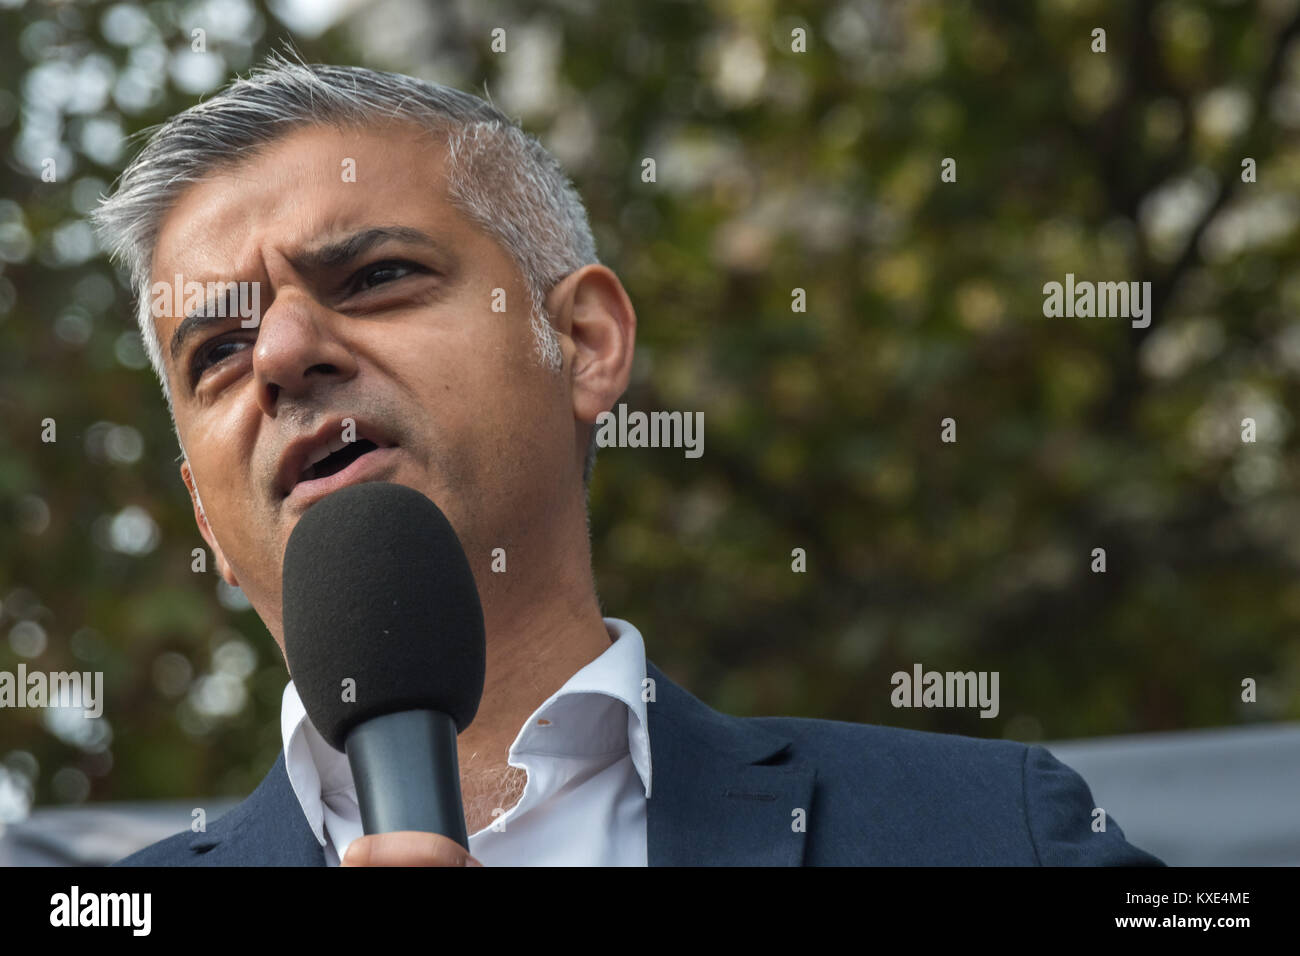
377,591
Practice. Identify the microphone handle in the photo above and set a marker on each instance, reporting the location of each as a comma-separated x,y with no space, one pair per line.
407,774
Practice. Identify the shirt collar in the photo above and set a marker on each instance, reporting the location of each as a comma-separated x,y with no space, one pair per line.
578,725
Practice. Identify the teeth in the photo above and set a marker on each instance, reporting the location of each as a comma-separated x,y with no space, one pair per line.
320,454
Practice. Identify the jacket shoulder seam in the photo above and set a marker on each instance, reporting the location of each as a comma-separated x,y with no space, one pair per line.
1024,797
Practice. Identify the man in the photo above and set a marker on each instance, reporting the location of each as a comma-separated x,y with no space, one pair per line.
393,236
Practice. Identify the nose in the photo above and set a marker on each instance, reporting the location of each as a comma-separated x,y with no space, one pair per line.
297,350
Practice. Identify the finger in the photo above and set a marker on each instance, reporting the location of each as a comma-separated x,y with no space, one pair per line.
406,848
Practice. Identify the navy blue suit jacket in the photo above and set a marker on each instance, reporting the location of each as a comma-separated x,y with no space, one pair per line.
726,791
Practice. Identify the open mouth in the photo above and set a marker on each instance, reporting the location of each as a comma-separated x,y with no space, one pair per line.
335,462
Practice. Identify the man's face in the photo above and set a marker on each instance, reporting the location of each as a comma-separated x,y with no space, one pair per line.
361,319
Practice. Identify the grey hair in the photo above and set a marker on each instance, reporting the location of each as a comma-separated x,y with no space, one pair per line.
498,176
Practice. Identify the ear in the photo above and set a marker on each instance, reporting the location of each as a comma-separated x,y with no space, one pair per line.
202,520
597,325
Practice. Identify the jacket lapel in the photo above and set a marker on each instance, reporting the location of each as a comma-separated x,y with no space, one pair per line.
723,791
268,828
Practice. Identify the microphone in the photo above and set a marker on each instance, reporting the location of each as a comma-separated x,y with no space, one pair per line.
383,634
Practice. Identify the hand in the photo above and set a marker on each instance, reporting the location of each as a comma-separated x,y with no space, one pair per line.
407,848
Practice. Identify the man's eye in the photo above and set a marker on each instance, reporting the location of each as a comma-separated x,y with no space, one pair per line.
382,272
208,355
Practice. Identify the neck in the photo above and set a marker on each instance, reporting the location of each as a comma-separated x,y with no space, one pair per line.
539,634
543,624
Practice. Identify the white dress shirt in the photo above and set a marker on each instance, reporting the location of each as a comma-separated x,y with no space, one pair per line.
586,751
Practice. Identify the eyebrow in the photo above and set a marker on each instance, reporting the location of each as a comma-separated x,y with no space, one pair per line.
330,255
339,252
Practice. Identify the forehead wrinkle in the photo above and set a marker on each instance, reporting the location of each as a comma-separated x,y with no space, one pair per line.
303,243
